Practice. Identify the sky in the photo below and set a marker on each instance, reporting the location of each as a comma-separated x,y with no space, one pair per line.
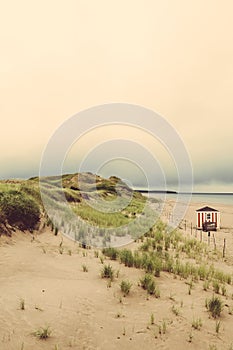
174,57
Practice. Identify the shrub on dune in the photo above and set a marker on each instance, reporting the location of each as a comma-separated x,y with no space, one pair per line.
19,209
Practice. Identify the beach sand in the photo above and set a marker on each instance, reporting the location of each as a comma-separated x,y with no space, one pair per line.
84,312
189,221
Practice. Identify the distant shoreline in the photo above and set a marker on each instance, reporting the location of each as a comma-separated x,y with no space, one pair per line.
192,193
155,191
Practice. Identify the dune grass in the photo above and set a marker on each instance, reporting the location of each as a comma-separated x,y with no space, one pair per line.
186,258
43,332
215,306
107,272
125,287
115,219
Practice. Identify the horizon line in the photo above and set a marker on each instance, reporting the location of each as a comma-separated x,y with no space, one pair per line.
176,192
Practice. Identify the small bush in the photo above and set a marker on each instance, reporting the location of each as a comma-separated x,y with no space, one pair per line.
19,209
137,260
125,287
215,306
107,272
148,283
126,257
149,265
112,253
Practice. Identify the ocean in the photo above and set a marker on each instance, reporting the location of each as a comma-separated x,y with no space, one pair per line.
208,198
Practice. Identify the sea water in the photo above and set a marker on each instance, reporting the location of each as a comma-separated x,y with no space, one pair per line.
208,198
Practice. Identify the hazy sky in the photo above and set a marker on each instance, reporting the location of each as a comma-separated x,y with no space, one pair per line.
174,57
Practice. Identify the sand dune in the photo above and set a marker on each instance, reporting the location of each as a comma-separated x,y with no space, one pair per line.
85,313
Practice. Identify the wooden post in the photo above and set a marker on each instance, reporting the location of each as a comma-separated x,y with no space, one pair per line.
191,228
214,241
224,248
185,225
209,238
201,236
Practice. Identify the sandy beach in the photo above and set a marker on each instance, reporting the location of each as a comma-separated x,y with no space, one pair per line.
189,221
84,312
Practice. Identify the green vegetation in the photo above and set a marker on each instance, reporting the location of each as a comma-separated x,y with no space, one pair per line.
173,253
43,332
215,306
96,253
216,287
79,189
163,327
107,272
107,219
217,326
112,253
206,285
126,257
19,209
197,323
148,283
85,268
125,287
21,205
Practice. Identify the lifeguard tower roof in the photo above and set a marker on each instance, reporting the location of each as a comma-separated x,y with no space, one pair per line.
206,209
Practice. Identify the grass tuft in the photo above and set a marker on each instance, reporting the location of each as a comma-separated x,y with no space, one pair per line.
43,332
148,283
215,306
85,268
197,323
107,272
125,287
